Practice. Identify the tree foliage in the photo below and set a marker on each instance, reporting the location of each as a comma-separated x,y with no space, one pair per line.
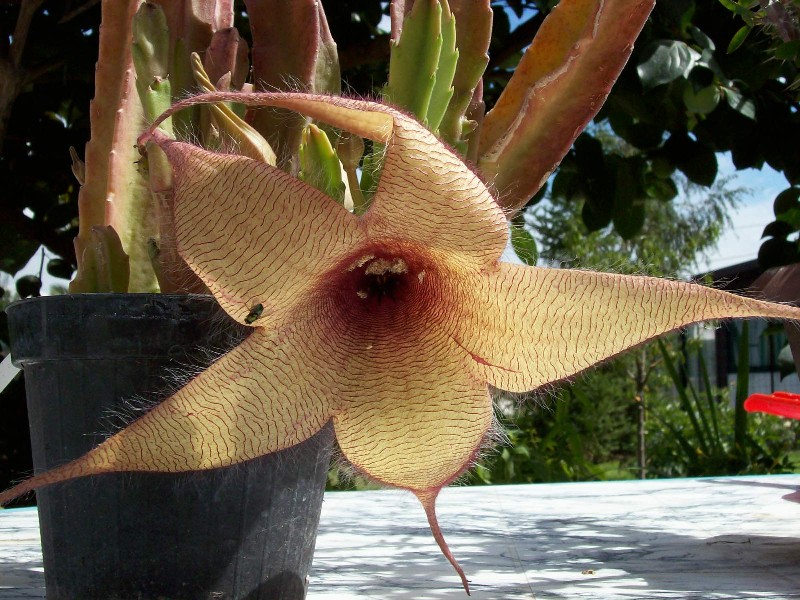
671,240
681,99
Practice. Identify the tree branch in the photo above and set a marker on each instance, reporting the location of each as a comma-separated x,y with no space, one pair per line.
11,73
32,74
68,16
26,11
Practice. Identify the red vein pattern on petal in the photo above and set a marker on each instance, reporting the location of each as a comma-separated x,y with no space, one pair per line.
413,416
273,391
527,326
254,234
428,195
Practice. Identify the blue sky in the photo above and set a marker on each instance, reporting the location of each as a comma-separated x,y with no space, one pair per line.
741,241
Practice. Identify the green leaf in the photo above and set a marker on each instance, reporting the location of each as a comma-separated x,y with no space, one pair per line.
702,102
713,409
738,39
662,167
588,152
642,135
787,200
666,61
735,7
523,242
744,106
15,249
564,183
788,50
29,286
777,252
742,388
696,160
628,213
677,11
702,39
792,217
777,229
629,221
701,77
595,216
703,169
58,267
661,188
683,396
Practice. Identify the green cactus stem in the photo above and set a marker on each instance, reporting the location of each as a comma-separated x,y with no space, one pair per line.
319,163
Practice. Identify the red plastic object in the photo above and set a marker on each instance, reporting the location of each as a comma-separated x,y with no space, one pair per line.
782,404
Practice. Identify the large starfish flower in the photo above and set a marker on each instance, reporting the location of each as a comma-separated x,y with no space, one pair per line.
392,324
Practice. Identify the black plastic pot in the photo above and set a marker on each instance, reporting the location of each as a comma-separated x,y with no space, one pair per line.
243,532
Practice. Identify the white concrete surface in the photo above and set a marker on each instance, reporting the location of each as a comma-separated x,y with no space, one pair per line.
719,538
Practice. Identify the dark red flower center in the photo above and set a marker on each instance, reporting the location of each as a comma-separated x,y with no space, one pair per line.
382,289
380,279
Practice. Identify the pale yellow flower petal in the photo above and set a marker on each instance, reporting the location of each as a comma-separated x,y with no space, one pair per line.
526,327
413,416
425,194
255,235
274,390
